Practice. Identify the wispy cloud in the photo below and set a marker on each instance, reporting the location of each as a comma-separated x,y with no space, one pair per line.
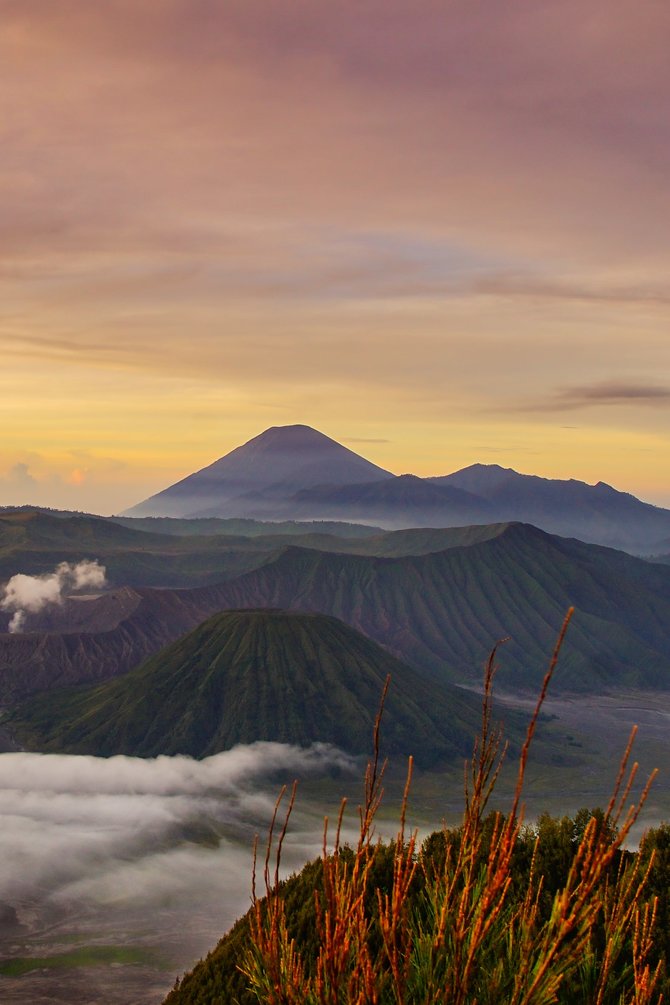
364,439
528,285
612,392
609,392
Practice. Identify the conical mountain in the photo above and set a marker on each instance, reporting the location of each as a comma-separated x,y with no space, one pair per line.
274,465
298,473
254,675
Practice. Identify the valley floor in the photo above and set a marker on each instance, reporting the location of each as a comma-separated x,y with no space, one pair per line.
598,726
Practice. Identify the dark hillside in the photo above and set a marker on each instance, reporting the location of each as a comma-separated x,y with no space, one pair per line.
440,612
33,543
240,527
244,676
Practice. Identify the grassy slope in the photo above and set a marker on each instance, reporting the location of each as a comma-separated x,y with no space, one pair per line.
244,676
440,612
34,543
240,527
192,552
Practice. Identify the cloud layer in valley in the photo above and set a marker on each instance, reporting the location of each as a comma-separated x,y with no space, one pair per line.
83,832
151,854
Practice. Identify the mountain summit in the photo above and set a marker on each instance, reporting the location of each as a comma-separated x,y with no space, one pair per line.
297,473
275,465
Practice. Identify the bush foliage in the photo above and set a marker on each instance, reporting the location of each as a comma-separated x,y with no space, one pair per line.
492,911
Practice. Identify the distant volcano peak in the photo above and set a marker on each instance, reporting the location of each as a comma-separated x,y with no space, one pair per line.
273,466
294,437
292,429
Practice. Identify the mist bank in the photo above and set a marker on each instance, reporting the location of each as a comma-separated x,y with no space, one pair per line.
128,830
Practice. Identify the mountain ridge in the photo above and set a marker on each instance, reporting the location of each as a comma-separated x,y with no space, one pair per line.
440,612
298,473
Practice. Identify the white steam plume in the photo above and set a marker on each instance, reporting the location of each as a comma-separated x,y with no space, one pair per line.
29,594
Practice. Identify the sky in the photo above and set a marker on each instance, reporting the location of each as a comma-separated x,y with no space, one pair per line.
436,231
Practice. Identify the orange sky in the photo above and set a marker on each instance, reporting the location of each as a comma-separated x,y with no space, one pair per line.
437,232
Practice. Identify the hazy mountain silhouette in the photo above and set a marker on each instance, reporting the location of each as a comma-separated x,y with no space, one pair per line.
296,473
406,500
597,513
274,465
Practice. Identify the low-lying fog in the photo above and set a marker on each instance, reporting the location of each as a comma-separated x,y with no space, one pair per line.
151,854
154,857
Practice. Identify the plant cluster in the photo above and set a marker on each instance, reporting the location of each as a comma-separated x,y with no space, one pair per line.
492,912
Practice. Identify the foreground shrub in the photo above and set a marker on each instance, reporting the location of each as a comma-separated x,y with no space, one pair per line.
487,913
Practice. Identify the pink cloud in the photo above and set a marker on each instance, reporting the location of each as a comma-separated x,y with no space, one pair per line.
534,126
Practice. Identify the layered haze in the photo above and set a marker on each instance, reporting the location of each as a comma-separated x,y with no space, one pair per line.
125,830
146,859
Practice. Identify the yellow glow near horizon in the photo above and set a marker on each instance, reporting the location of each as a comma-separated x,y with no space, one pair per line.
435,253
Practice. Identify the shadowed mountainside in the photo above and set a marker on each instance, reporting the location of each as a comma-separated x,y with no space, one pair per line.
33,543
402,501
194,552
597,513
191,552
244,676
439,612
486,494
